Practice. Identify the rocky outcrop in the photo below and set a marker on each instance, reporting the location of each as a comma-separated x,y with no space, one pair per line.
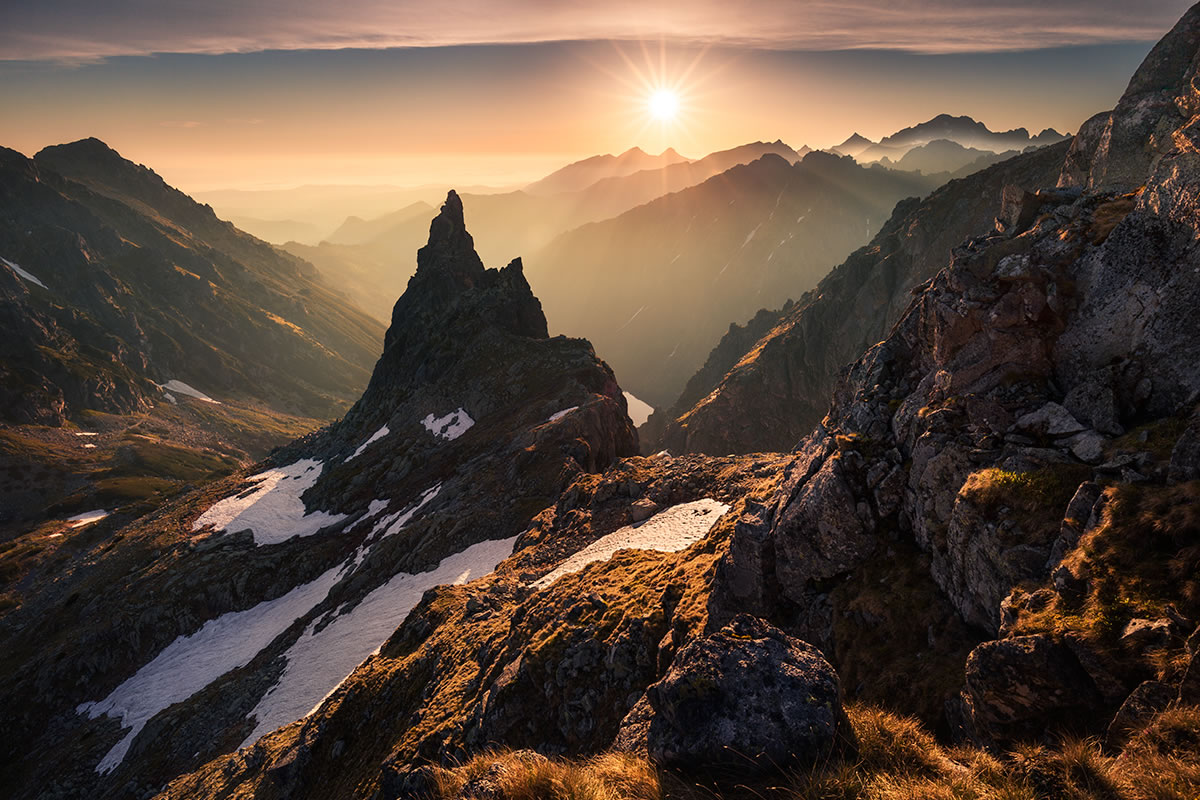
974,431
779,388
747,698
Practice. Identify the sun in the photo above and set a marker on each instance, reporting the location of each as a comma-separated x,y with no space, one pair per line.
664,104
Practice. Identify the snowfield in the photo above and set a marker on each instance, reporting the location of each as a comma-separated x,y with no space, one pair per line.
668,531
321,660
190,663
639,410
449,427
317,662
376,436
22,273
273,510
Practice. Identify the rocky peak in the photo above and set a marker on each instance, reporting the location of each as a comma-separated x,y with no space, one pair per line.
451,286
1114,151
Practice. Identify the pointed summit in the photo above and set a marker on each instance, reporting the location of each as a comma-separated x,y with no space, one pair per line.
451,250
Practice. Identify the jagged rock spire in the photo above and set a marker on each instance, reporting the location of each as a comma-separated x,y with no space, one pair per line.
450,250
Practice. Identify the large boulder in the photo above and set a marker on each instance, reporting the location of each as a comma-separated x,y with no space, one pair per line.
745,697
1018,688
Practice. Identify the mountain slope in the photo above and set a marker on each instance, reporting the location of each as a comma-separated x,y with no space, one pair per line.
139,284
653,288
778,387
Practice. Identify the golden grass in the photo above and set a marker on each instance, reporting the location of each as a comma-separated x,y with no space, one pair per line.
521,775
897,759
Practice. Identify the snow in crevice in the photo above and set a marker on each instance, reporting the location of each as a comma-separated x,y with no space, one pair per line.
87,517
669,531
629,321
376,436
179,387
557,415
192,662
394,522
639,410
750,235
449,427
273,509
321,660
24,274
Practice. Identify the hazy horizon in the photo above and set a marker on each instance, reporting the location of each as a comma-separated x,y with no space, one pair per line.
498,104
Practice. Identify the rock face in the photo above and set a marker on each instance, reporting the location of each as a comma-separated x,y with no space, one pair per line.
964,430
133,283
747,697
778,388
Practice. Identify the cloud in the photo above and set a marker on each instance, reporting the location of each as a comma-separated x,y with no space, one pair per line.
84,30
174,123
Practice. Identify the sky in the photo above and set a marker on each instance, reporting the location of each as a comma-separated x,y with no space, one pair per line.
268,93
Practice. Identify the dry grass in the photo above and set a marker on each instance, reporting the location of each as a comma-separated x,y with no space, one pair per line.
897,760
1142,558
521,775
1108,216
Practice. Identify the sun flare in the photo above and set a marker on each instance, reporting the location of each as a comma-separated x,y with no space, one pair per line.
664,104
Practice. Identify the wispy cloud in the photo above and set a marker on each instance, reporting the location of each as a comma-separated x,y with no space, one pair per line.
176,123
84,30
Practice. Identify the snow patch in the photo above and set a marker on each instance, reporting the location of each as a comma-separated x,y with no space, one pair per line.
192,662
89,447
170,398
179,387
86,433
321,660
23,274
376,436
87,517
668,531
557,415
449,427
639,410
273,509
750,235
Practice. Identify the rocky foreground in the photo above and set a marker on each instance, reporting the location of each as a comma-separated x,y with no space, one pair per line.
994,530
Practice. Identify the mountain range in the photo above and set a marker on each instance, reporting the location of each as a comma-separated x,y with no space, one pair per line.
966,566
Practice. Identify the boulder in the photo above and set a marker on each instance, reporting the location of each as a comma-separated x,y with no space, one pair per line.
1050,420
643,510
1094,402
747,697
1149,698
1019,688
1185,457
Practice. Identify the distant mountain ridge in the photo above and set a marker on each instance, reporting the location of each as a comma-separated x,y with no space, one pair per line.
962,130
581,174
653,288
510,223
